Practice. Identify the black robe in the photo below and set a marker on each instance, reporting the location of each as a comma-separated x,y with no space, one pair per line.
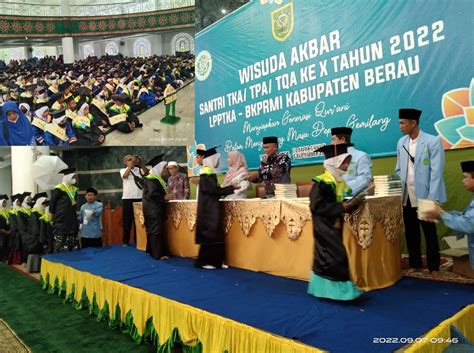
330,258
46,236
154,213
4,238
23,220
209,230
34,228
14,257
64,213
89,136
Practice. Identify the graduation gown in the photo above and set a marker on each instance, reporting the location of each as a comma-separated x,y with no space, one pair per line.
15,240
23,220
88,136
209,230
330,258
154,213
34,229
63,210
46,233
4,238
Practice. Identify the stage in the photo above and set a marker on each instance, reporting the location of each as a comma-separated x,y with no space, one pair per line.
244,311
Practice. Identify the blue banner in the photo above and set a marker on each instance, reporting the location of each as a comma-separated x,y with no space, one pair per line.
295,69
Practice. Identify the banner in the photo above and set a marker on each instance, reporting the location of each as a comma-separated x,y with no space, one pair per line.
295,69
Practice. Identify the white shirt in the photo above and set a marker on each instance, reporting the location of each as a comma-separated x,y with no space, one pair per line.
130,189
411,175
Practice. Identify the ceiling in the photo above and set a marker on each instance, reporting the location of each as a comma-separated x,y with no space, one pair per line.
210,11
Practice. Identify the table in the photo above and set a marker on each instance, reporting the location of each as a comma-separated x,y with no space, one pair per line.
275,236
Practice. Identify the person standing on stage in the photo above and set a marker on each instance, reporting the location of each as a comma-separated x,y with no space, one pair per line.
359,174
275,168
461,222
23,221
419,154
178,183
236,175
330,276
46,231
154,209
199,158
209,231
14,258
62,206
90,216
132,181
34,246
4,229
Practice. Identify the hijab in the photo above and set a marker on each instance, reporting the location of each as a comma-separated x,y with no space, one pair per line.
237,165
332,165
19,133
212,161
157,169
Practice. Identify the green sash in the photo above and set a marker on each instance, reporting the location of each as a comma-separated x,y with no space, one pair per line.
152,176
340,187
71,191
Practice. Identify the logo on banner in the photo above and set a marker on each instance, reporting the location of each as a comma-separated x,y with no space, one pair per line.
263,2
203,65
282,22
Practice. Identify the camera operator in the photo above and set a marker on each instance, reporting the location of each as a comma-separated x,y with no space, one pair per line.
132,179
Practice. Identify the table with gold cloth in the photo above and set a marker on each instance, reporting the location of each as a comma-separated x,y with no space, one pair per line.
276,237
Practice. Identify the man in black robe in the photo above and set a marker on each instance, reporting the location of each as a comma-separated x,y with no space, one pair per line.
154,209
209,231
63,209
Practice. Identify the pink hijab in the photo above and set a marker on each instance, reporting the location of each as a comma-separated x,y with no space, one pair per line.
237,165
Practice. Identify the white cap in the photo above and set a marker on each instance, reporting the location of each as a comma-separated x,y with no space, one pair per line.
172,164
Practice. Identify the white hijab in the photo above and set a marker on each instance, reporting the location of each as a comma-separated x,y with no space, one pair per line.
81,109
333,164
157,169
24,204
39,203
69,179
1,204
39,112
212,161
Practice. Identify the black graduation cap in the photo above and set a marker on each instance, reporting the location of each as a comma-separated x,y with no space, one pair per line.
210,152
70,98
96,92
122,97
92,190
31,87
64,86
39,195
23,196
467,166
200,152
84,91
341,131
13,86
56,114
67,171
42,91
409,114
270,139
145,81
55,97
15,197
155,160
331,151
4,197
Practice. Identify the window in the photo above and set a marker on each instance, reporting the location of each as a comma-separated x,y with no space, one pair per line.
111,48
182,42
142,48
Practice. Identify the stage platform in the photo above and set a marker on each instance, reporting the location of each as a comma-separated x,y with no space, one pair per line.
243,311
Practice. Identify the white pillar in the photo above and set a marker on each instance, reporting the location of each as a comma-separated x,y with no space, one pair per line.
68,49
22,161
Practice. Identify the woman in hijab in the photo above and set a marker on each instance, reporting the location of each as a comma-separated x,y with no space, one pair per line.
40,119
59,132
15,127
330,276
209,232
86,129
236,175
154,204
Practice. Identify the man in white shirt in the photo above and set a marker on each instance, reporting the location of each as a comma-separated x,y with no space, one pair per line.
422,155
132,179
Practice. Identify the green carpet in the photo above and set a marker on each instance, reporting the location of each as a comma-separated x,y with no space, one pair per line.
47,325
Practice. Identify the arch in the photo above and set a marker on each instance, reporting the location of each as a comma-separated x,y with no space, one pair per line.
88,50
142,48
182,42
38,53
111,48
